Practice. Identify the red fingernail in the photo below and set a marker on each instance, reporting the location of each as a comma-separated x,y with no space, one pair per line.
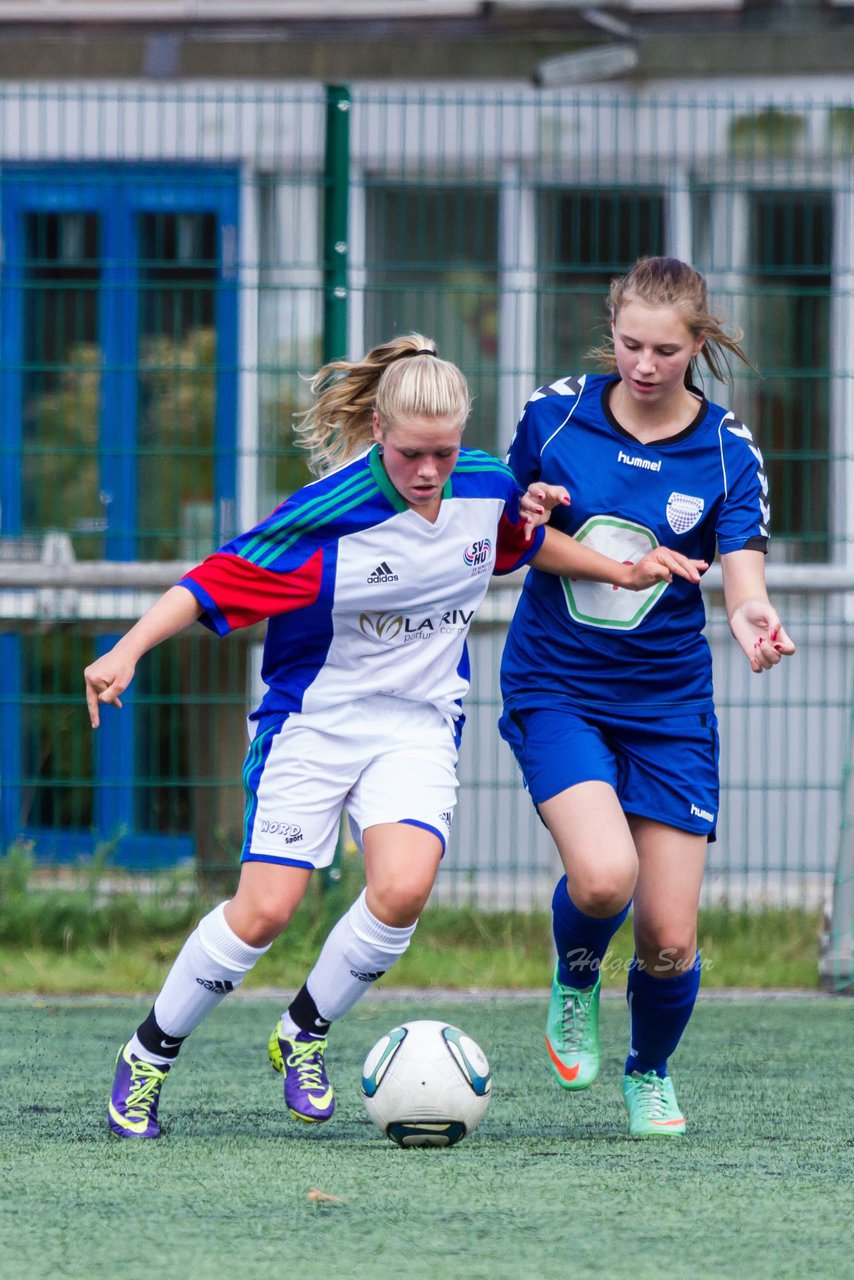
779,648
773,635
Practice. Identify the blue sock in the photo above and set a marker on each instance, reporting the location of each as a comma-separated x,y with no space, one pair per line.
581,940
659,1009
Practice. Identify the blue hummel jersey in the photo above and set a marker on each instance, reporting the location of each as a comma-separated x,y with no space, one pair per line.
703,489
363,595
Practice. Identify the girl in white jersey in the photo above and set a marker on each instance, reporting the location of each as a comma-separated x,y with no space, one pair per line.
369,578
608,697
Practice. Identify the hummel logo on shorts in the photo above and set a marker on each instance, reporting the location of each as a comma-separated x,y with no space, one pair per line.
382,573
697,812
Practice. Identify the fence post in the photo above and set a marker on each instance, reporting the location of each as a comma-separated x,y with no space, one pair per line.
836,945
336,209
336,202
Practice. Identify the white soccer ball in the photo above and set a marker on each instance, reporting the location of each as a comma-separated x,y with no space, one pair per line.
426,1084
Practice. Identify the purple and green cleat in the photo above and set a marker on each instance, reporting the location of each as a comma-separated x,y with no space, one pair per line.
308,1093
135,1095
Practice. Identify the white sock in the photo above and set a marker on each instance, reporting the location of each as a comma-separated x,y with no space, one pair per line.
211,963
359,950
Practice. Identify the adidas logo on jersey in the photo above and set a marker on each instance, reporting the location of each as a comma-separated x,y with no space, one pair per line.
382,573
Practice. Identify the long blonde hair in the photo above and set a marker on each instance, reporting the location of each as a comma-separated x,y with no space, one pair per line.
401,378
669,282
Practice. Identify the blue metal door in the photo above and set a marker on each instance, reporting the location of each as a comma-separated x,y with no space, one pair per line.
118,409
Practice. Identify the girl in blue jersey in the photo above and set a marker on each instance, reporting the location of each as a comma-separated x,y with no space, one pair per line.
369,578
608,695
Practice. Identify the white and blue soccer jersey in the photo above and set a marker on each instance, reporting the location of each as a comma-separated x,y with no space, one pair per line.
599,645
363,595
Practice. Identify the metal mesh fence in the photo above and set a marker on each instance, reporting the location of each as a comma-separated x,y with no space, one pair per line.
160,781
176,260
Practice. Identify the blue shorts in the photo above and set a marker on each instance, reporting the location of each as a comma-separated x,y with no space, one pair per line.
663,767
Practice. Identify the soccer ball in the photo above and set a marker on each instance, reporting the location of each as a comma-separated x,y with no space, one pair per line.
426,1084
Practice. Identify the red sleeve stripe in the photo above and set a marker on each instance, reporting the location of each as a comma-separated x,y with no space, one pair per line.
245,594
511,550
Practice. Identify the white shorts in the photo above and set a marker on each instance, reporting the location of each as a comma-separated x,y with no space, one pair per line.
380,759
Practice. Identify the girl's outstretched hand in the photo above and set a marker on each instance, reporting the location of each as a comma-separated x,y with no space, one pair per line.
761,634
539,500
106,680
108,676
659,566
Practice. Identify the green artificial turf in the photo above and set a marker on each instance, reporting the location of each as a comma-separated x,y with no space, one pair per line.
548,1187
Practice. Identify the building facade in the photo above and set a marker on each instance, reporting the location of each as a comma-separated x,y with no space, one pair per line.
183,244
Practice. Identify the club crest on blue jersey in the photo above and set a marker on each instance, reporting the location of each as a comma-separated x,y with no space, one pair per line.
683,511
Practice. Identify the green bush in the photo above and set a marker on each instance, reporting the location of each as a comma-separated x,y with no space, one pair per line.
78,906
92,927
92,903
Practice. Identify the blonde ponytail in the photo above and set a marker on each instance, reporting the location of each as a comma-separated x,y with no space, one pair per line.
401,378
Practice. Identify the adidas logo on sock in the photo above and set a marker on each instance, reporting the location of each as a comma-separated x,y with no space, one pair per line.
382,573
220,986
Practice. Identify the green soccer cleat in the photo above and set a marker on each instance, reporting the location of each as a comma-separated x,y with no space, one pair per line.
572,1034
651,1103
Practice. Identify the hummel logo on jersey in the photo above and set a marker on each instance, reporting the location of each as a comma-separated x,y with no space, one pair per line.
382,573
220,986
645,464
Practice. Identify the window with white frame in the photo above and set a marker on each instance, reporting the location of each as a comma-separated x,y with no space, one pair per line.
431,266
788,332
586,237
767,251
